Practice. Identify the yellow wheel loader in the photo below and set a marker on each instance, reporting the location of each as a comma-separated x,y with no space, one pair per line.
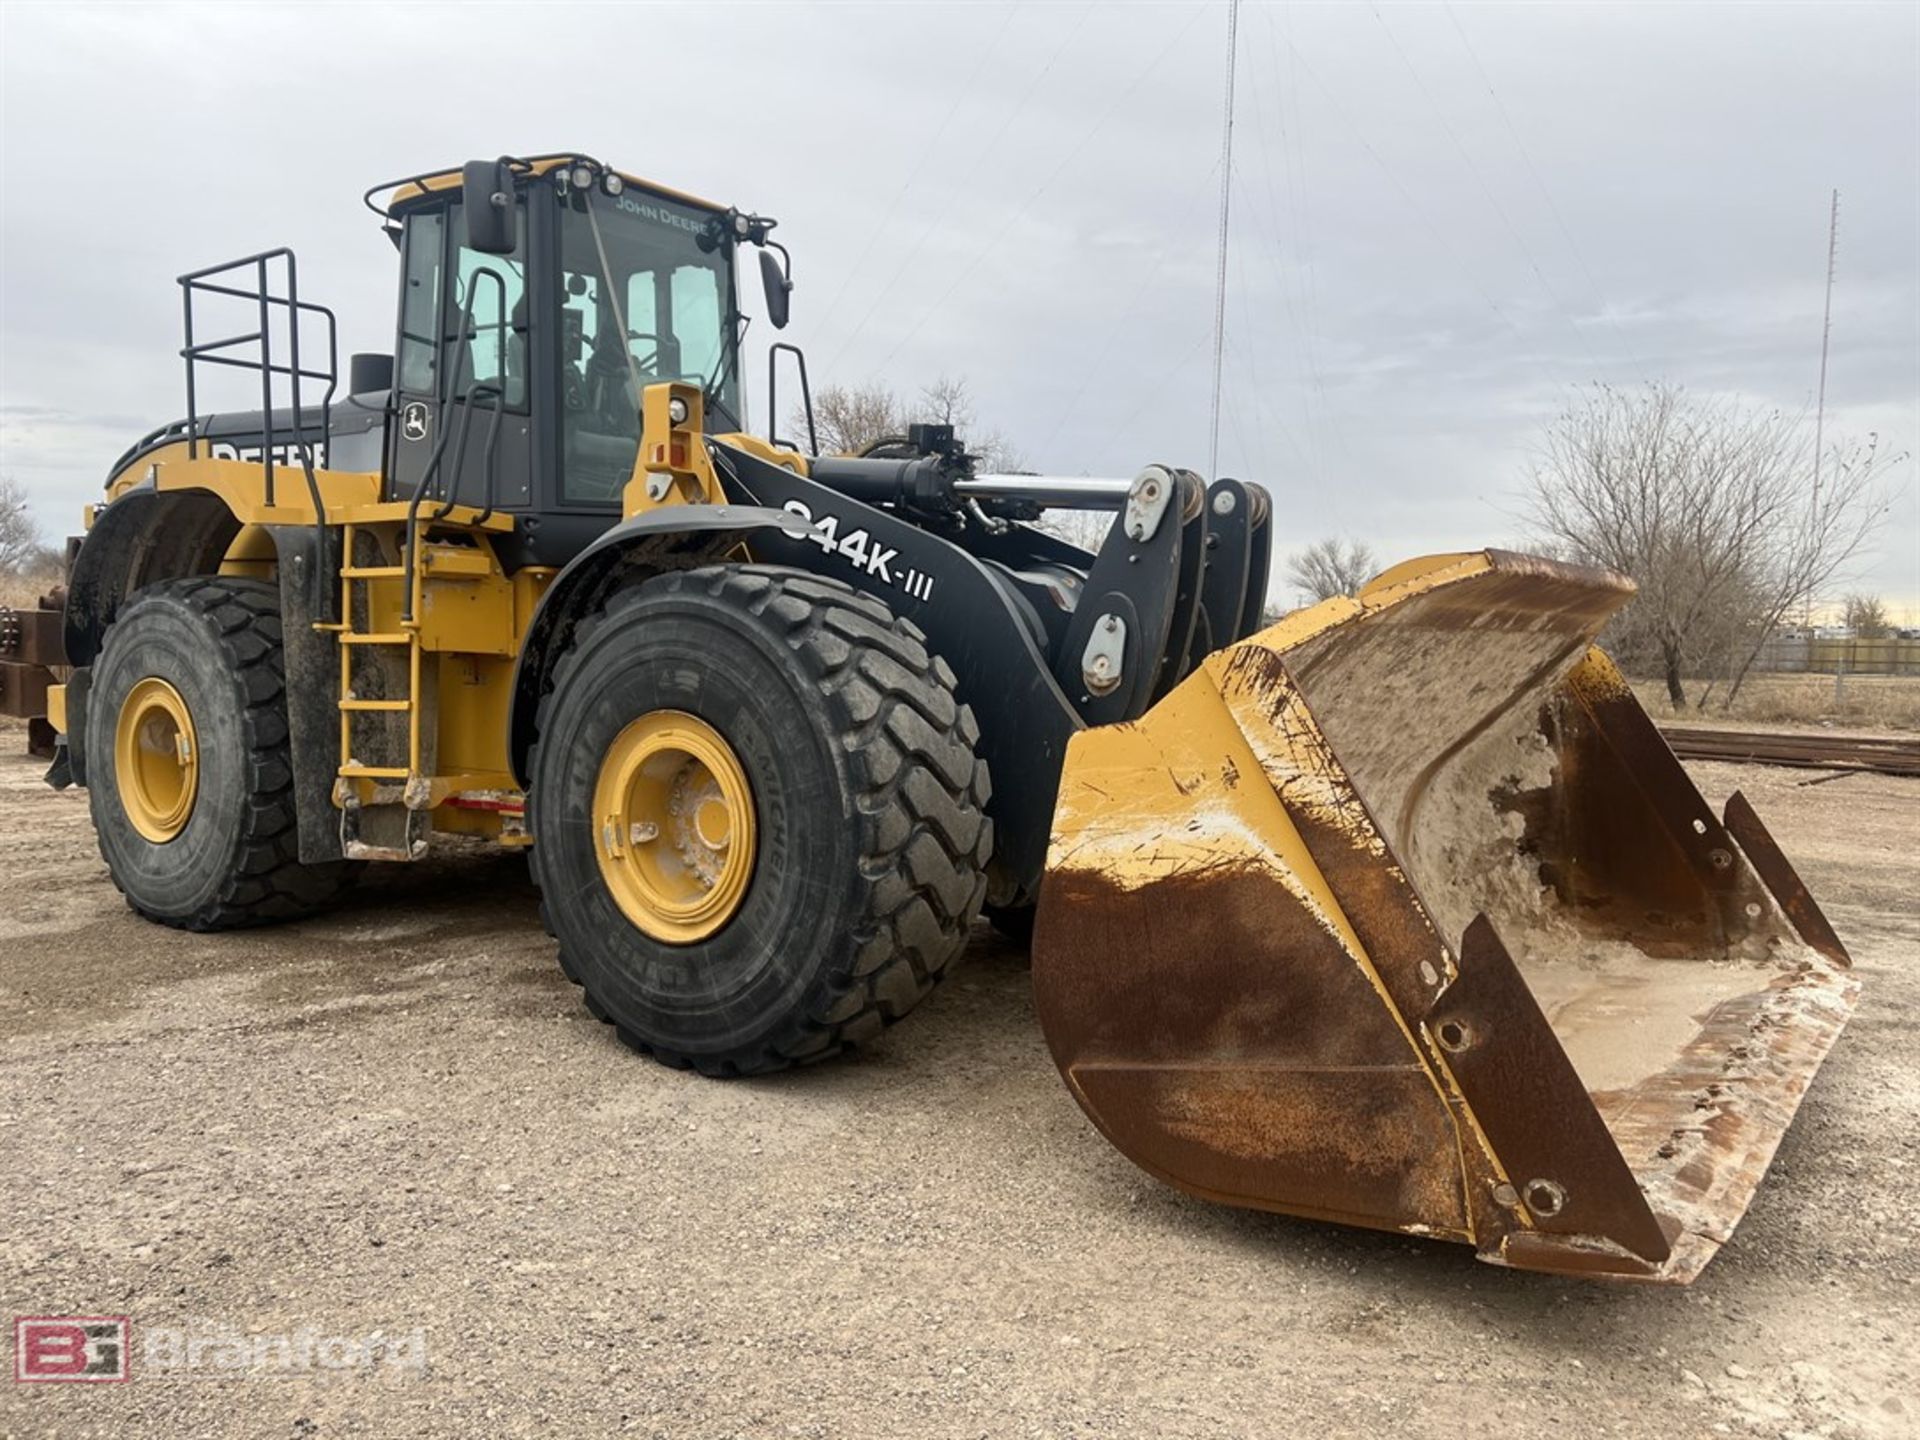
1397,912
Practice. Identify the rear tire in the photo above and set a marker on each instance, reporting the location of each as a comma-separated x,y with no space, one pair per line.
213,644
867,803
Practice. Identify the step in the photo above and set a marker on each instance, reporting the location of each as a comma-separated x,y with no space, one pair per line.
373,572
370,833
483,787
456,560
376,637
376,704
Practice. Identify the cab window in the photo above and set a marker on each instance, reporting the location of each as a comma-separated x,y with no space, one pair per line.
495,287
432,308
647,298
420,304
699,318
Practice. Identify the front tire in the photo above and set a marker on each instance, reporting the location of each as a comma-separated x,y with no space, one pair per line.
857,785
190,775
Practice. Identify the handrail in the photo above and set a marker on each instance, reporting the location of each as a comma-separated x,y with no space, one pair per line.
449,394
209,352
522,165
773,392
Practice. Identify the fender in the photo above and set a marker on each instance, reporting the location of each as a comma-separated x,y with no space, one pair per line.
141,537
146,535
967,617
678,537
969,620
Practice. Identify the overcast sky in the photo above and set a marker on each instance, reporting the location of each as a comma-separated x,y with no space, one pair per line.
1443,215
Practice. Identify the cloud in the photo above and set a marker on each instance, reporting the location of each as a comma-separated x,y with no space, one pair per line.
1443,216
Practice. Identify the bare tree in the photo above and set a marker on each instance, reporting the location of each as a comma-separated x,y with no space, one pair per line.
1866,617
947,401
1811,539
850,418
21,551
1330,567
1709,506
1085,528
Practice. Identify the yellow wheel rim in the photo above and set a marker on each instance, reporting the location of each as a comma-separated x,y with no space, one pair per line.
673,826
156,759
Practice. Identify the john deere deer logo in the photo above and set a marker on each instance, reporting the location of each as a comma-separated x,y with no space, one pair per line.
413,421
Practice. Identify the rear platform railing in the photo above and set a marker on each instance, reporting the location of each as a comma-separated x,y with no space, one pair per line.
269,283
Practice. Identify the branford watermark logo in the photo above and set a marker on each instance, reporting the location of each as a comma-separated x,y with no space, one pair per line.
212,1350
93,1348
87,1349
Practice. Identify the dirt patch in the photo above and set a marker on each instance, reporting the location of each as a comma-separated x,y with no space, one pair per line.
1439,730
397,1117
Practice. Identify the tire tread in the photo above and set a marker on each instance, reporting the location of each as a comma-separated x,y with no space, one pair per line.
918,788
267,881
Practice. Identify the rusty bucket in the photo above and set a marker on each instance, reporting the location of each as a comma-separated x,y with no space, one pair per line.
1400,913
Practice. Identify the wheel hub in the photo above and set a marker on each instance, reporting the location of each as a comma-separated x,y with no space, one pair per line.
156,760
676,832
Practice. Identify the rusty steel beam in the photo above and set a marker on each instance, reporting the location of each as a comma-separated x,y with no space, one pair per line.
1886,754
32,637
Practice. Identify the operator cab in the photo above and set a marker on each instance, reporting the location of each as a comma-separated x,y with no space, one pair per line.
527,334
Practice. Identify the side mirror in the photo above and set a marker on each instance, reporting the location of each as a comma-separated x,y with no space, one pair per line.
486,196
773,279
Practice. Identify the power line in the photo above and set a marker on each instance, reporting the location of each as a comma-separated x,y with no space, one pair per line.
1088,372
1245,356
1295,223
1251,355
1138,412
961,93
1479,179
1120,98
1282,226
1566,232
1266,408
1299,183
1443,244
942,216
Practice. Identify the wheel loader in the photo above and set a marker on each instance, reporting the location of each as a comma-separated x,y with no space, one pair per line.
1396,912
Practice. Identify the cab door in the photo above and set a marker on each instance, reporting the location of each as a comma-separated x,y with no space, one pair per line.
463,368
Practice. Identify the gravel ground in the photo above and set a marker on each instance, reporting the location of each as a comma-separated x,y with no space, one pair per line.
399,1119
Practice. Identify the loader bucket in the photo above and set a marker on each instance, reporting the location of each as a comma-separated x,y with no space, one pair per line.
1400,913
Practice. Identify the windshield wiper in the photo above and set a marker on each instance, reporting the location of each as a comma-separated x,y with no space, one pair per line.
730,358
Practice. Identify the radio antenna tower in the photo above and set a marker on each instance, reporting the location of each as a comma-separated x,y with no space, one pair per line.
1826,337
1220,278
